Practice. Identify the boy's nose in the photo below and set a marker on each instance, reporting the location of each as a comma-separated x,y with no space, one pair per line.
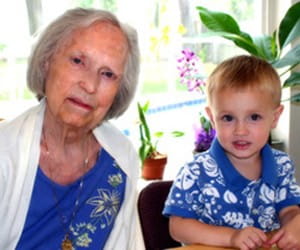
241,129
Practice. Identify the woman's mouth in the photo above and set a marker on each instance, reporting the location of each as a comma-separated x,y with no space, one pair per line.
80,103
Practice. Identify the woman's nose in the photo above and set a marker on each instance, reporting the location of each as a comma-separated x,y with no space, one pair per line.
89,83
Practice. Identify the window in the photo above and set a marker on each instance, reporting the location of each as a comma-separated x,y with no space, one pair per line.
164,28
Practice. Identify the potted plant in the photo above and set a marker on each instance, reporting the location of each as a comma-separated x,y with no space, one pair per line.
153,162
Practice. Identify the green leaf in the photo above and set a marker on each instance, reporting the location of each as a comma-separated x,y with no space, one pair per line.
177,133
142,136
289,27
291,58
159,134
205,123
143,152
293,80
267,47
218,21
226,26
296,98
146,106
245,42
144,125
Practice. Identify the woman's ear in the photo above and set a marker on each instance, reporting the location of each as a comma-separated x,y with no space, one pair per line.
210,115
46,67
277,113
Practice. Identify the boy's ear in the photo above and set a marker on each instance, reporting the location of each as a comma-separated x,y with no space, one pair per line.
210,115
277,114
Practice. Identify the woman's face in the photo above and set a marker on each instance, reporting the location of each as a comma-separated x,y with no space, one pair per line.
83,76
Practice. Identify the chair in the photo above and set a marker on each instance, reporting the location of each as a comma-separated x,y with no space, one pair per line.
155,227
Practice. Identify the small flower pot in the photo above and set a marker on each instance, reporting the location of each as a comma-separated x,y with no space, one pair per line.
153,168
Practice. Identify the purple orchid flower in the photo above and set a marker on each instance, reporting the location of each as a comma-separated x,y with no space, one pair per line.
189,66
203,139
189,70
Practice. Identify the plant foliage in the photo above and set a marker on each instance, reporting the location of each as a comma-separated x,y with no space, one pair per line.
148,147
271,48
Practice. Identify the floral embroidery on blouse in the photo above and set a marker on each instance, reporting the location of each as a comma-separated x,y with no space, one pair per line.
106,206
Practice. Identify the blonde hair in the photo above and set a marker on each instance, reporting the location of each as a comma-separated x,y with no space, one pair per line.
242,72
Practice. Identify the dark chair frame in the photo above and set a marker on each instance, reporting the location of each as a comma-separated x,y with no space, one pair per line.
155,226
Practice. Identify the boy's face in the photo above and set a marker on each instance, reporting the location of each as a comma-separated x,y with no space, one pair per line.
243,120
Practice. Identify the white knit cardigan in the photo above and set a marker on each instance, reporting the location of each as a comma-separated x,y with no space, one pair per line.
19,158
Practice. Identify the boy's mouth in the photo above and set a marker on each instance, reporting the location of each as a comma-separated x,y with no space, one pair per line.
241,145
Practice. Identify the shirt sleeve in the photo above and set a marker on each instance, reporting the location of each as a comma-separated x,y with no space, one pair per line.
288,191
182,199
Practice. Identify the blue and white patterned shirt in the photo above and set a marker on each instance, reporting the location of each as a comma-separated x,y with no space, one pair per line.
211,190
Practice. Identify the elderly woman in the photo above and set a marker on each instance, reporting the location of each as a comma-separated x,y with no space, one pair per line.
67,176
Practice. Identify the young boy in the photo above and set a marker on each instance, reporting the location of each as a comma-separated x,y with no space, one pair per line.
241,188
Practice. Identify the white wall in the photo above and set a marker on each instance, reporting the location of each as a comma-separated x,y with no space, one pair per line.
294,137
288,128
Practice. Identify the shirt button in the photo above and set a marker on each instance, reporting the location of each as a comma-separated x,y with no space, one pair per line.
254,211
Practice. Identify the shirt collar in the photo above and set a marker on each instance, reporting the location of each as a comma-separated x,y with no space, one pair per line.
230,173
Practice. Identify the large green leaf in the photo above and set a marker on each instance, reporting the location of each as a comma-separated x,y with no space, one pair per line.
289,27
291,58
226,26
218,21
293,80
245,42
238,40
267,47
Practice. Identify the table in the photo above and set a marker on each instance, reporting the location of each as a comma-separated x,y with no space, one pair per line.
199,247
203,247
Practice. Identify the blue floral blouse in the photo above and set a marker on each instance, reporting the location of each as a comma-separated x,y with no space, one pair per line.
100,199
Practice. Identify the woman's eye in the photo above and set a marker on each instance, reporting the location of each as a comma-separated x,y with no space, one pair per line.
255,117
109,75
77,60
227,118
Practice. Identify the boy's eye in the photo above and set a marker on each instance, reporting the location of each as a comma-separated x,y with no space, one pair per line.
227,118
255,117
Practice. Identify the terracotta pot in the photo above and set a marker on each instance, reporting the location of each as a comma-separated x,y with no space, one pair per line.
153,168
